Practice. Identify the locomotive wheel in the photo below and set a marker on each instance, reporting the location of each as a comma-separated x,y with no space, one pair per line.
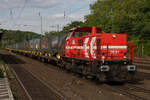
101,77
80,69
131,77
68,66
85,70
74,66
59,64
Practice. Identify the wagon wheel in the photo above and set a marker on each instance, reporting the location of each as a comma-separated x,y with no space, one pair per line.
73,66
42,59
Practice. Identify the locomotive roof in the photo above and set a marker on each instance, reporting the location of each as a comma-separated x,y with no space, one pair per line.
85,29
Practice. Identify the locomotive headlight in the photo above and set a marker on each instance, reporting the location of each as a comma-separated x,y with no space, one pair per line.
103,57
125,62
114,36
58,56
125,57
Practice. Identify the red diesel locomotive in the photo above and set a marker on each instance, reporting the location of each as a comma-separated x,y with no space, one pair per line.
87,51
92,52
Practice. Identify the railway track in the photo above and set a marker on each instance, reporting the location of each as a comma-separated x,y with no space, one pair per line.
34,88
16,76
137,88
141,58
125,91
129,91
143,63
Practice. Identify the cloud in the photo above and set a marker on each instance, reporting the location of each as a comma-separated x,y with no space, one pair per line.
59,15
9,4
43,3
52,12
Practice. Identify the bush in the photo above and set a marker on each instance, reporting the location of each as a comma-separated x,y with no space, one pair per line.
8,72
14,91
1,73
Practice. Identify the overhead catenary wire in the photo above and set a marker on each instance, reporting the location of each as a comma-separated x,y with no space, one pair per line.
15,18
66,14
78,9
11,14
21,11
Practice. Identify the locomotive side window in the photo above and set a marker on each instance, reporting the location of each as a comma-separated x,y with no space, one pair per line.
80,34
73,41
80,42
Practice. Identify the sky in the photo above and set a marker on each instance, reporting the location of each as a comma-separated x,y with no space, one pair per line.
27,15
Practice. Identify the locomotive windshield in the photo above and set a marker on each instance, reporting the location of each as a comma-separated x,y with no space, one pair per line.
83,31
80,34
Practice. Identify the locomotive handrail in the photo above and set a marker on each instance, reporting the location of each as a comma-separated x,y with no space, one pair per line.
131,53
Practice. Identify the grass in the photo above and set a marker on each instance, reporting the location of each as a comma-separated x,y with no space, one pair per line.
1,70
9,76
14,91
6,69
8,72
1,73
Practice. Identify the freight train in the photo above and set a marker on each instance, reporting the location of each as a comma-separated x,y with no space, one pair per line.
87,51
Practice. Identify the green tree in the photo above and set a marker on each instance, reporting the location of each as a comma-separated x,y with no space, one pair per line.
11,37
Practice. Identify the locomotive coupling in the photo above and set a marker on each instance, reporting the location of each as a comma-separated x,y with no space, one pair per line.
104,68
131,68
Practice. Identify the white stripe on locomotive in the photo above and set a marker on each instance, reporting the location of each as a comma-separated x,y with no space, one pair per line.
95,47
114,47
86,47
92,47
